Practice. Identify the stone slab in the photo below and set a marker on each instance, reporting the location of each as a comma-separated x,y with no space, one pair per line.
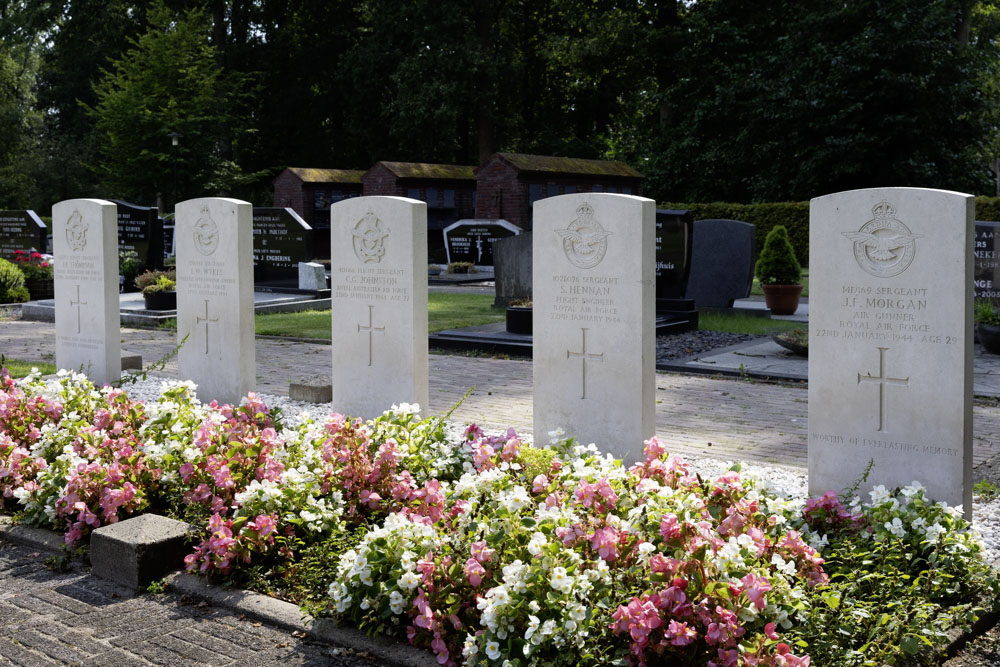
722,257
131,362
512,268
215,301
312,276
140,550
378,292
310,393
890,341
593,322
85,247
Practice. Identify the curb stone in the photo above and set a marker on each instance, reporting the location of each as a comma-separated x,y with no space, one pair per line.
386,650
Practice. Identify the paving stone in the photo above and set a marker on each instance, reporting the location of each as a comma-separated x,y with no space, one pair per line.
139,550
190,651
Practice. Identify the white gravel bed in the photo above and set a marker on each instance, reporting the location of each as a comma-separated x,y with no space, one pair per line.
791,482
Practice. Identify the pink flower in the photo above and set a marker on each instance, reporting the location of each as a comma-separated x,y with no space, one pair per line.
605,541
755,587
669,527
539,484
680,634
474,572
784,658
481,552
770,631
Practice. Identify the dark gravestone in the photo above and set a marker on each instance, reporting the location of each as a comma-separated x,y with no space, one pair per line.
472,240
673,253
168,241
281,239
21,230
512,269
722,256
140,228
987,261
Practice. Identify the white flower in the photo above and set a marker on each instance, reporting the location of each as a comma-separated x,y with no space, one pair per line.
470,649
409,581
549,627
895,527
493,650
577,612
788,569
396,602
879,495
934,531
538,540
561,581
533,623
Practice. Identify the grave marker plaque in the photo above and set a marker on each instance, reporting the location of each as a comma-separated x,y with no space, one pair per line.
140,228
88,334
987,258
890,341
281,239
593,318
214,241
673,252
722,257
472,240
21,230
378,289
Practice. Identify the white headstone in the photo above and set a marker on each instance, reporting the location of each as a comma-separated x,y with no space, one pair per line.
312,276
378,290
593,321
85,251
214,242
890,341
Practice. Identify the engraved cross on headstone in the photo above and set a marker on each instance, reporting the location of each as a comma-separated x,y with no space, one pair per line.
370,329
199,319
882,380
584,357
77,303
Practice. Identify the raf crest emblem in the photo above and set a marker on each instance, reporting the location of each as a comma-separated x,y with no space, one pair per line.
206,233
369,239
585,241
76,232
884,246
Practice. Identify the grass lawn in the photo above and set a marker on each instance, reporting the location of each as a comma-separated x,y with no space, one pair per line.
445,311
749,324
18,369
757,291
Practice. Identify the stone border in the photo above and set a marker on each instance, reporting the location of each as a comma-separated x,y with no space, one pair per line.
281,614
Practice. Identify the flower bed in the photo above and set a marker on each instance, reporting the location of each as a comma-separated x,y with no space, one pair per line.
489,550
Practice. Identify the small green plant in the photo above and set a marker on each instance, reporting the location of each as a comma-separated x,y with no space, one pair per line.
158,587
986,490
157,365
777,264
162,284
987,313
128,265
520,303
12,289
150,278
461,267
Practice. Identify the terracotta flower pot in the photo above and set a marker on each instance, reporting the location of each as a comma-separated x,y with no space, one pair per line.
989,337
782,299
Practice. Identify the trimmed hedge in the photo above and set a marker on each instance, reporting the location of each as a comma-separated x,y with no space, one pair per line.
794,216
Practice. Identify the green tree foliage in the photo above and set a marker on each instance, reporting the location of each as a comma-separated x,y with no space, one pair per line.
777,264
167,82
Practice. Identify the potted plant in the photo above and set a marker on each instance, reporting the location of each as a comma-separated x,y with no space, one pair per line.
779,273
519,316
37,270
159,289
988,325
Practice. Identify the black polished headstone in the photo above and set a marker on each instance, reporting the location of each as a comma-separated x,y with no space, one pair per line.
512,269
281,239
472,240
21,230
987,261
722,256
673,252
168,240
140,228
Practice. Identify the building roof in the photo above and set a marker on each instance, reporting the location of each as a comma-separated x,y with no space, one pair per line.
569,165
454,172
311,175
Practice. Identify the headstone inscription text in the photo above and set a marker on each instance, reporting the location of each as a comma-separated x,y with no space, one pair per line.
890,358
281,239
593,317
85,241
214,242
378,291
21,230
987,255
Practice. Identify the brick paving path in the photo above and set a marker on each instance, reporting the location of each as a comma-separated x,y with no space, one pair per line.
71,618
696,415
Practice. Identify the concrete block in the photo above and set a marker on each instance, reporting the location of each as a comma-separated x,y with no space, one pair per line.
131,362
137,551
312,276
310,393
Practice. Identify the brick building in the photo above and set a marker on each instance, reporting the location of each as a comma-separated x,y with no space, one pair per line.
509,183
449,191
309,192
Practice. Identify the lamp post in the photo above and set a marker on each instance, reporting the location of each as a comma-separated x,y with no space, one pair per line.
174,141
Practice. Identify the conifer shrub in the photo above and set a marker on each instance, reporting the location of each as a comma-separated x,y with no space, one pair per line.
777,264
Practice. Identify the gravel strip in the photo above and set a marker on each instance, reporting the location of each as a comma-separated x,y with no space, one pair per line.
678,346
